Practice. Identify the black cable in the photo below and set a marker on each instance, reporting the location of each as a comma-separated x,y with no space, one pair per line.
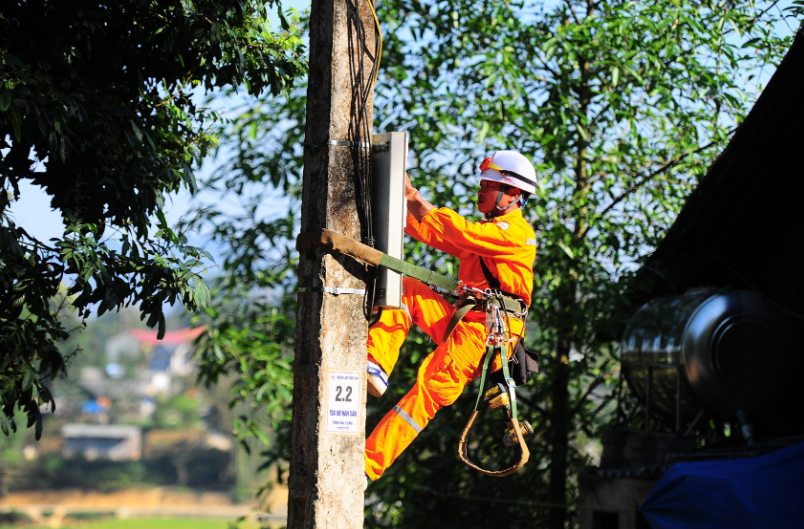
360,128
370,296
359,123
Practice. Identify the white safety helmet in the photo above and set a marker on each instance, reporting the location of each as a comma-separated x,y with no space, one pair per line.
511,168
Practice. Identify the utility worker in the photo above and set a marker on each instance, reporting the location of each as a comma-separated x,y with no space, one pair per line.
501,248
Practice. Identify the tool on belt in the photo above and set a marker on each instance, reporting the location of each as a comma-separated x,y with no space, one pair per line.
499,306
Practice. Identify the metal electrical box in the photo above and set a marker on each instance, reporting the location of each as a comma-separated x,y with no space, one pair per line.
389,156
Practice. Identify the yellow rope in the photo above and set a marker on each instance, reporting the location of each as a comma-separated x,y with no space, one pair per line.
379,53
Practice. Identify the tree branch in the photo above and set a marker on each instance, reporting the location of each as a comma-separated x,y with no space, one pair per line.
572,10
546,67
756,18
532,400
595,383
664,168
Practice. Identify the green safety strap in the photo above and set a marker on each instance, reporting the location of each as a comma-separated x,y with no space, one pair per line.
486,363
432,278
464,306
419,272
508,382
490,350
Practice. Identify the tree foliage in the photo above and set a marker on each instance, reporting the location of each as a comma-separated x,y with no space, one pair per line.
623,106
97,109
250,321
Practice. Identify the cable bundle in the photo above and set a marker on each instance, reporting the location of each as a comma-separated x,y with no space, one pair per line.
360,123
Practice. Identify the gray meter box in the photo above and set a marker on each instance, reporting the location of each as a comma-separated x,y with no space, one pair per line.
388,210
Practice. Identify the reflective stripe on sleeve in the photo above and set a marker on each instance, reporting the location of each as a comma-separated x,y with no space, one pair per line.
407,311
531,242
408,419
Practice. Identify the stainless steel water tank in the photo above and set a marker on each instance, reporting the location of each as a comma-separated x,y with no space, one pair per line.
732,350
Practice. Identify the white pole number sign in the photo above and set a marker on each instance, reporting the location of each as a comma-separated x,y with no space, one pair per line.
343,401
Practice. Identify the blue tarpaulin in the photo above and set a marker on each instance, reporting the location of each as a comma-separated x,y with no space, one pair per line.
759,492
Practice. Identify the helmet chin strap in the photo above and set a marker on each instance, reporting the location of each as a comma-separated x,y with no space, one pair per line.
500,194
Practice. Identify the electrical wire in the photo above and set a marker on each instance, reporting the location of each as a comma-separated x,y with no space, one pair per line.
360,125
379,36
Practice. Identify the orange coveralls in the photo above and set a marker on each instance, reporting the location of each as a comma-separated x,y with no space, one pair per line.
508,247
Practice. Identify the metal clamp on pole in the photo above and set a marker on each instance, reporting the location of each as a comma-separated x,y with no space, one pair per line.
342,143
335,291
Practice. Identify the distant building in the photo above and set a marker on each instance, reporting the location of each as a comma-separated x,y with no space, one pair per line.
102,442
123,346
171,356
165,359
160,361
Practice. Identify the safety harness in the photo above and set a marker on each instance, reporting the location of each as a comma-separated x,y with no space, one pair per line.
476,299
503,394
493,301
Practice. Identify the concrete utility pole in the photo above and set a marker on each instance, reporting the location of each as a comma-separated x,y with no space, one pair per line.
328,431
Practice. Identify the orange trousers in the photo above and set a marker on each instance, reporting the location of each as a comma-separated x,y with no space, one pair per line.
442,375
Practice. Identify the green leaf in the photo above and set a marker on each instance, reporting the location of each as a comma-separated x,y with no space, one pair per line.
5,426
38,426
28,380
259,434
189,178
5,101
566,249
736,29
216,348
136,129
201,291
16,121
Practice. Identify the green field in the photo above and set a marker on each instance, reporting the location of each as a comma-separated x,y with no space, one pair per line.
143,523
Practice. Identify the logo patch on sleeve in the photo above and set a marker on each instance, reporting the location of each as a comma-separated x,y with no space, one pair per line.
503,225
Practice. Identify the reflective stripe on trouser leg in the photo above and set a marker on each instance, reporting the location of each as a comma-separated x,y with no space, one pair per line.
387,441
408,419
442,377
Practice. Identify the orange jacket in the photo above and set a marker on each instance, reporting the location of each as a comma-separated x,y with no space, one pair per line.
507,244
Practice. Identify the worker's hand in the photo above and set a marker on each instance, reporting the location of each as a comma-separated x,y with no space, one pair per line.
417,205
410,191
